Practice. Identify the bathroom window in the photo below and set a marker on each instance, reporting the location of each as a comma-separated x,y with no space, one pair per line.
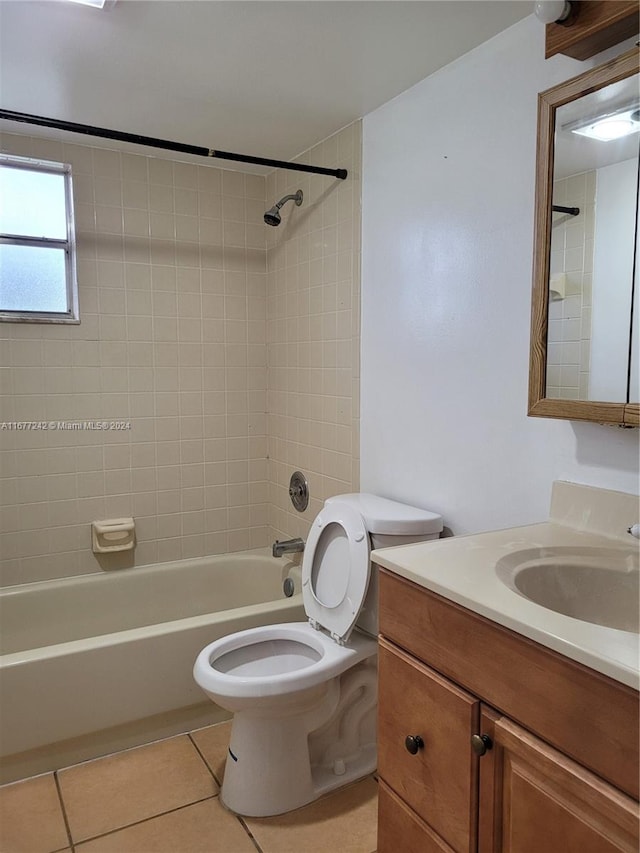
37,242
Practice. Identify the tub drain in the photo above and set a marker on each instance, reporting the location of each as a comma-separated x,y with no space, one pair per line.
288,587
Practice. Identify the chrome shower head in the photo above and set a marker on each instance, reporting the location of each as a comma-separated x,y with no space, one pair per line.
272,216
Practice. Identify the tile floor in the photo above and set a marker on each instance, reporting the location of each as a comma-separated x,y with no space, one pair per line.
163,798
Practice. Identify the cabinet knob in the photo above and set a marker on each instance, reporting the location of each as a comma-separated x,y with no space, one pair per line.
413,743
481,743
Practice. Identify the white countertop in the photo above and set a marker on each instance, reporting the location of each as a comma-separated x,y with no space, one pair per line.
462,569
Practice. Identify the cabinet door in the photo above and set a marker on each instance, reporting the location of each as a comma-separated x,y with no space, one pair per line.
533,798
439,781
400,829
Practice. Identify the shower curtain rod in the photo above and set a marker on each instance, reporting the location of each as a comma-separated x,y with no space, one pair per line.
152,142
572,211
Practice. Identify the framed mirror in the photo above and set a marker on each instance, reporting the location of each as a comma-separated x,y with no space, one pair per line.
585,325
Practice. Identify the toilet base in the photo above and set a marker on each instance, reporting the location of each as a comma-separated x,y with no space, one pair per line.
326,779
281,761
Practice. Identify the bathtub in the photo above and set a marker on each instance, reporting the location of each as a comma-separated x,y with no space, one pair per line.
98,652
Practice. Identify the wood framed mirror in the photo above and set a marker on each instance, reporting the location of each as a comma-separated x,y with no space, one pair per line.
585,329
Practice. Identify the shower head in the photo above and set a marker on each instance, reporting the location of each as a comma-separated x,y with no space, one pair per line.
272,216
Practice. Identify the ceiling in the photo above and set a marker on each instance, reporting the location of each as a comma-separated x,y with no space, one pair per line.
264,78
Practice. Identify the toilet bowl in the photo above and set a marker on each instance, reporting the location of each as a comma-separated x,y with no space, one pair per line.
273,663
304,694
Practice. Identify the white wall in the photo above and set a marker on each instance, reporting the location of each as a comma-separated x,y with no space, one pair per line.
448,195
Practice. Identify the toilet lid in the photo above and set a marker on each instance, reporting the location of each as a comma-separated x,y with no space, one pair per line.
336,569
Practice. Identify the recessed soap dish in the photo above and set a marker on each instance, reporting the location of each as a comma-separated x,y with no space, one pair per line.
113,534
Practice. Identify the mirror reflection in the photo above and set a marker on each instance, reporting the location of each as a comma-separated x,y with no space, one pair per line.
593,238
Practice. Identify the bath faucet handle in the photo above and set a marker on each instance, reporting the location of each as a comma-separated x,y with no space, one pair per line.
634,530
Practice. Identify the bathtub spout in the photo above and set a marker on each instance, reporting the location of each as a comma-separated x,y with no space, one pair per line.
288,546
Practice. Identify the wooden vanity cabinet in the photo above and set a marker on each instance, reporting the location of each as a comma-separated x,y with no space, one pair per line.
441,668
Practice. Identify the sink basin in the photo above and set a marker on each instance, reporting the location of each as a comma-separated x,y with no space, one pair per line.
597,585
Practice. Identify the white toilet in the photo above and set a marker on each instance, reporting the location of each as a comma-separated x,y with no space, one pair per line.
304,693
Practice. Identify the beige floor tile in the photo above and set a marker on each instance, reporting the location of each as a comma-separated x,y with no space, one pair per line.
213,743
202,828
31,818
345,820
112,792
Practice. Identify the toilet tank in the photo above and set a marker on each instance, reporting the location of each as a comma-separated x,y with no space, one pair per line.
389,523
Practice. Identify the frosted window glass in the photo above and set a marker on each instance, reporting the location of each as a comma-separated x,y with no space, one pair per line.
32,278
32,204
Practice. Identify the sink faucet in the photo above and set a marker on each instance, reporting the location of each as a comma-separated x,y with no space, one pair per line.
289,546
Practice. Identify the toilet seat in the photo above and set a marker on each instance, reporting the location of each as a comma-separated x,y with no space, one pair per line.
324,660
336,570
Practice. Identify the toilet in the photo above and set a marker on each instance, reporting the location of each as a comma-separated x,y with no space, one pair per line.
303,694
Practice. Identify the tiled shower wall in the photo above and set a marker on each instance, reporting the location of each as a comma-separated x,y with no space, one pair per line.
172,287
172,275
313,332
572,241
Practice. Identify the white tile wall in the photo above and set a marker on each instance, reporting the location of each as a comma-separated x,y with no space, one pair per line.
313,332
172,284
177,321
572,241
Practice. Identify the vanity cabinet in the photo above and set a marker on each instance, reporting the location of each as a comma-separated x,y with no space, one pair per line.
559,769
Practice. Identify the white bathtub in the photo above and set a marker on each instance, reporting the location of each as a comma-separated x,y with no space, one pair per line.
100,652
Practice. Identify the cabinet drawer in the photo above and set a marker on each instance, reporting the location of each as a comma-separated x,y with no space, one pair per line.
400,829
439,781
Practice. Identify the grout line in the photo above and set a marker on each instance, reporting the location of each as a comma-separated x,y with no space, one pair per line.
249,833
117,751
145,820
206,764
63,809
219,782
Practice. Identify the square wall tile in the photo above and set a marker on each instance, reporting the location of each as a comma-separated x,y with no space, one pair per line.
312,310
